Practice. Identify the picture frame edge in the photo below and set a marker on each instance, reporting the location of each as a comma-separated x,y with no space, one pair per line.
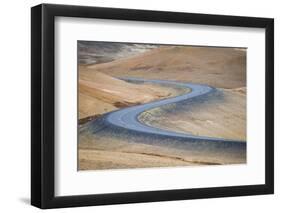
42,117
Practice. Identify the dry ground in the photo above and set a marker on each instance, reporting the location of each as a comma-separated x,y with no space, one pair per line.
105,152
218,67
221,119
100,92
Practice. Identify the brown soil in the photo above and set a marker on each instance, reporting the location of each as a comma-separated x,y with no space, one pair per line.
97,152
218,67
100,93
226,119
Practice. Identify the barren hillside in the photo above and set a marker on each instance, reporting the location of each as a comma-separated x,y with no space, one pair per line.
100,93
219,67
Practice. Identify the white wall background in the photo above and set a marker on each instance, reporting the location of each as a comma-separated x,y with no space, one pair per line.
15,105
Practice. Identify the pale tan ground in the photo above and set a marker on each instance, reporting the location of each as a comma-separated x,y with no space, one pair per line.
221,120
103,159
100,93
111,153
218,67
225,120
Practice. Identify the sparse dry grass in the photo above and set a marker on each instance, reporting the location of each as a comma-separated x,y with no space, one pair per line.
99,92
106,152
218,67
224,119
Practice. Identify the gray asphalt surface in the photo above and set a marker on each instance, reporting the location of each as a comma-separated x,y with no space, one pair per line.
127,118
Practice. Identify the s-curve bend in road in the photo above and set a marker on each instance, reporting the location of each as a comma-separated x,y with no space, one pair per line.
127,118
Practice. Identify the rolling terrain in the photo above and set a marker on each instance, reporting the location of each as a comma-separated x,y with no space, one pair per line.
100,93
104,90
217,67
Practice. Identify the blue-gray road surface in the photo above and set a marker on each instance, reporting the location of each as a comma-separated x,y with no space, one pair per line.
125,121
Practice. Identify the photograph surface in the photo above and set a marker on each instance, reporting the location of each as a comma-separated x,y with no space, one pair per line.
160,105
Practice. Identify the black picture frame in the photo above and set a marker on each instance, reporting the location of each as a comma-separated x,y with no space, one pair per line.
43,102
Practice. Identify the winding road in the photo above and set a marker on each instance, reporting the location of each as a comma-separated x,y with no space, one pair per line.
127,118
124,124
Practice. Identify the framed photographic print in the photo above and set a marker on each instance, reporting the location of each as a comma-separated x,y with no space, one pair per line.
139,106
